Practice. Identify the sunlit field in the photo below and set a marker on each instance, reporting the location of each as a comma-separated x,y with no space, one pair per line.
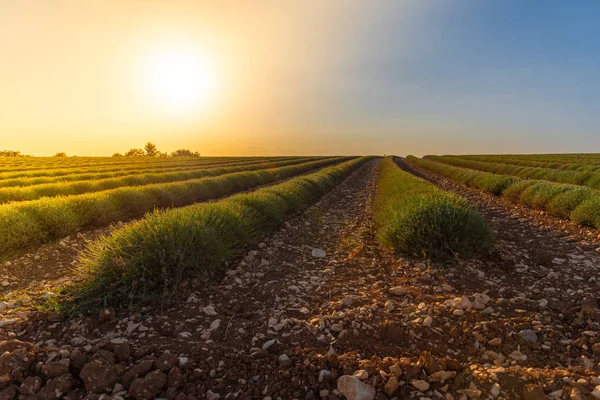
95,192
100,240
303,200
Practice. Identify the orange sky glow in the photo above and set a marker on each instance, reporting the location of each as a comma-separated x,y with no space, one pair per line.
261,77
72,76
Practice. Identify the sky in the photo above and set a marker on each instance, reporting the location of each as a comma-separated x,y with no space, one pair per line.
271,77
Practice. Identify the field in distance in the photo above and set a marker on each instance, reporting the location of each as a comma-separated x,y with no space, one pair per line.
454,276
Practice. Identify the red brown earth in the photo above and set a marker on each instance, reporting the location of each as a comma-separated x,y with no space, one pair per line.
520,323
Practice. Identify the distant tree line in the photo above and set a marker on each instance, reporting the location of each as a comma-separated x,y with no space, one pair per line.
11,153
150,150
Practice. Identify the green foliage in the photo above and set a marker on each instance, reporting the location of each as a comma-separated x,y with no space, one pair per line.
184,153
18,230
491,183
539,194
584,178
151,150
514,191
577,203
149,257
588,212
564,203
135,153
59,216
129,167
11,153
63,188
570,162
415,217
60,154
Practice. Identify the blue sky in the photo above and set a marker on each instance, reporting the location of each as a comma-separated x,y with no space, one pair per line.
482,76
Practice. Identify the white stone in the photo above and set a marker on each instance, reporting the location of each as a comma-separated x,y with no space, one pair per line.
215,325
183,361
353,389
361,374
284,360
319,253
7,322
209,310
268,344
324,375
517,355
495,390
465,303
420,385
131,327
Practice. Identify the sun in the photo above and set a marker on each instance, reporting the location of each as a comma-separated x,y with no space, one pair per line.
179,79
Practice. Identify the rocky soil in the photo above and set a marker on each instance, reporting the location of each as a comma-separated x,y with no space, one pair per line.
319,310
37,273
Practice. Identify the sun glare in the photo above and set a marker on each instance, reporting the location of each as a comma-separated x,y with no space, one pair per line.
179,79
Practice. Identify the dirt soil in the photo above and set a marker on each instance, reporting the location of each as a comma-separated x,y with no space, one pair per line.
282,323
